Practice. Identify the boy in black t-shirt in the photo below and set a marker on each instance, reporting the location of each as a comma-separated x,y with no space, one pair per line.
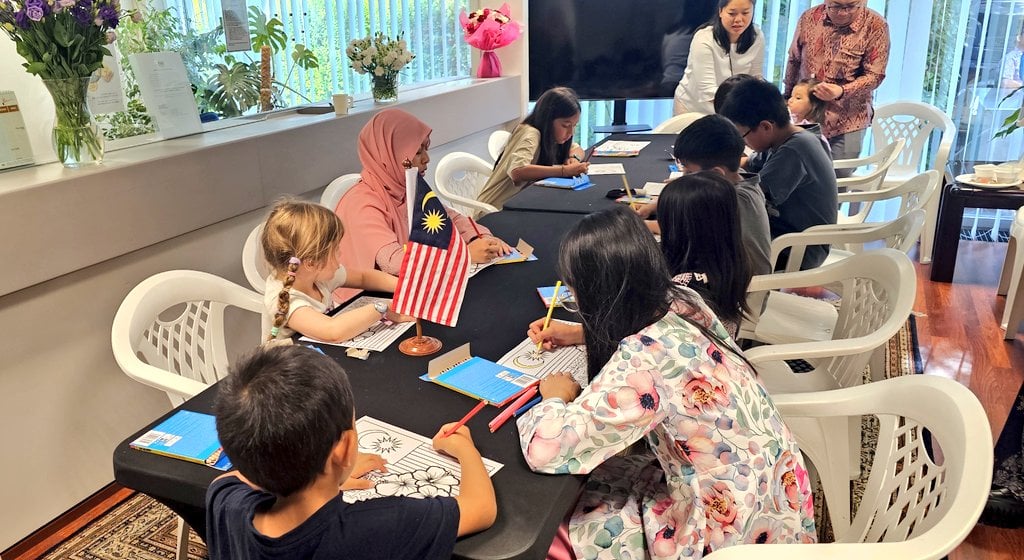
797,176
285,417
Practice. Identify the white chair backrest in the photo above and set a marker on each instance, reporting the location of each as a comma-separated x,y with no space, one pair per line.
496,143
881,161
336,189
914,193
877,290
912,507
185,353
916,122
254,265
676,124
458,180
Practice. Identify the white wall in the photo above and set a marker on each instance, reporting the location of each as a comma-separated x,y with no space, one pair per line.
64,403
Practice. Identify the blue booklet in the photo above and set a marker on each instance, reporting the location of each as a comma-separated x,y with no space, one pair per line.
548,292
570,183
478,378
190,436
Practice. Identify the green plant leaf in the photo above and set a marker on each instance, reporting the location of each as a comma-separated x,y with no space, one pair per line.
234,89
304,58
266,32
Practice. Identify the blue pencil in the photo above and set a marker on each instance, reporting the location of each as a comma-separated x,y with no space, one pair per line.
522,410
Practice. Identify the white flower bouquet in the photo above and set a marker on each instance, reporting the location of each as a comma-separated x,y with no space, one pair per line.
381,57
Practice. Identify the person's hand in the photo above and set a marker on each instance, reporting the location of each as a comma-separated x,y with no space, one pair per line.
485,249
575,168
458,445
503,248
365,462
645,210
560,386
557,334
827,92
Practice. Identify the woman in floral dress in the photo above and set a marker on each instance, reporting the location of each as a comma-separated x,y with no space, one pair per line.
719,466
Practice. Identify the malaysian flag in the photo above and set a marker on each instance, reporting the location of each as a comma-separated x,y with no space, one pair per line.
432,280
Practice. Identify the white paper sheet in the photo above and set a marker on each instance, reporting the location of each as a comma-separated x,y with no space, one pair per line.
527,359
514,257
606,169
652,188
106,94
236,25
378,337
414,468
619,146
15,148
167,93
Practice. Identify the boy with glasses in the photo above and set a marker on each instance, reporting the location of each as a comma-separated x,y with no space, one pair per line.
845,46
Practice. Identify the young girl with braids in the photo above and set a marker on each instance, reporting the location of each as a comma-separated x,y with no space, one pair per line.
301,242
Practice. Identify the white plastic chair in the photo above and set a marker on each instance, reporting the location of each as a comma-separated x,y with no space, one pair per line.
184,354
846,240
496,143
336,189
1009,279
917,122
877,290
917,192
254,266
676,124
882,160
912,508
459,178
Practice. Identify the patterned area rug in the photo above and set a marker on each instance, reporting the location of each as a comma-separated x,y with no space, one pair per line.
140,528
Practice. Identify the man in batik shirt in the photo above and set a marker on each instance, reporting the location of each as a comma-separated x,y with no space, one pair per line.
845,46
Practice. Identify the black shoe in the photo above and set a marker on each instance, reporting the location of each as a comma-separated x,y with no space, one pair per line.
1003,509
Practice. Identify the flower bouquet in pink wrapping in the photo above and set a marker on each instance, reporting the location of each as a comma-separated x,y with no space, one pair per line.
488,29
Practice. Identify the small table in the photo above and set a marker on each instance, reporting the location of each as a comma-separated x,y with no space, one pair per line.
499,304
651,165
956,197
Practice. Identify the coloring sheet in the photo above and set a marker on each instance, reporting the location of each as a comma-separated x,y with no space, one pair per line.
606,169
414,468
378,337
514,257
527,359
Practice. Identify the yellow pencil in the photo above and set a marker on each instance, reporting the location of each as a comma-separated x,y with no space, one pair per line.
629,193
551,309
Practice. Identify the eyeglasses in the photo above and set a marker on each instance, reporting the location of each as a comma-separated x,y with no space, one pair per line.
749,130
838,8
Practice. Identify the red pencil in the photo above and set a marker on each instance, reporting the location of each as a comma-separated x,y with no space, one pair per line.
472,222
504,415
480,406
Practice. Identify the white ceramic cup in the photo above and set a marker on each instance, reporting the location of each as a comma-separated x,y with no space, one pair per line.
985,171
341,102
1008,172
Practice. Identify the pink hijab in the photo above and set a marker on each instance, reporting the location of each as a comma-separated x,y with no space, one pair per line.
388,139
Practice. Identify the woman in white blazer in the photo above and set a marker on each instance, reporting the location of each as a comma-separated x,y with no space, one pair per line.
730,45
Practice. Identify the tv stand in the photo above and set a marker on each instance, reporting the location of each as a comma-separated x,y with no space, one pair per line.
619,121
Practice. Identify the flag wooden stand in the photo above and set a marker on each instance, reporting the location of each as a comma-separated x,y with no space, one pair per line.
419,345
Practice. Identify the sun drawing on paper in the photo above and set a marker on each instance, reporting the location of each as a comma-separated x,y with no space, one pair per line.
379,442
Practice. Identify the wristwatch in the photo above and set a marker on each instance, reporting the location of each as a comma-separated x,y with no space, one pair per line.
381,308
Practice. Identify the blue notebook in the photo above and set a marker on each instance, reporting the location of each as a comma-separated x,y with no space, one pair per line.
190,436
573,183
479,378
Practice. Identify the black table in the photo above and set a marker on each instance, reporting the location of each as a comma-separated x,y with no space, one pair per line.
955,197
499,304
651,165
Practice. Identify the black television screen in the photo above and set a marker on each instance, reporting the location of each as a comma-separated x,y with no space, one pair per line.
603,49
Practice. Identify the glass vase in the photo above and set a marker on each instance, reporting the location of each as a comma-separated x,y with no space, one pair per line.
76,138
385,88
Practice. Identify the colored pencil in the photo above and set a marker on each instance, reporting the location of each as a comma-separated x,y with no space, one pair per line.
472,222
629,193
504,415
551,309
480,406
526,407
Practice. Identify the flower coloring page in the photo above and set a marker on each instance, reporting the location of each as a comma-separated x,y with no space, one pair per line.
414,468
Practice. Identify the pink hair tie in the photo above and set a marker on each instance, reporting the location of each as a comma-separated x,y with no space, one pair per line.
295,261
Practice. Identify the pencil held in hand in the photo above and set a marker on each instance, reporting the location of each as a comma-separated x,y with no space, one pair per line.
480,406
551,309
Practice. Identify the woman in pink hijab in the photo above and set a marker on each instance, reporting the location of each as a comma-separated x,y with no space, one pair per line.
374,210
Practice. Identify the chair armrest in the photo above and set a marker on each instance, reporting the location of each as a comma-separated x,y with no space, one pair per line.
164,380
805,350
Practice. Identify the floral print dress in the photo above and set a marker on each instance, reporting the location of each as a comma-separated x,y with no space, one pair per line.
723,468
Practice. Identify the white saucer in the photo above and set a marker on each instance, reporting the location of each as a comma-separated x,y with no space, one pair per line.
968,179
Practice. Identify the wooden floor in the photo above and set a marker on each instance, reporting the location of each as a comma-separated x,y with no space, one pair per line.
960,338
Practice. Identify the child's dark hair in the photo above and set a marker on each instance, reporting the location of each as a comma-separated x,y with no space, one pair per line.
555,103
280,414
754,101
817,112
621,282
746,39
710,141
700,232
725,87
297,232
